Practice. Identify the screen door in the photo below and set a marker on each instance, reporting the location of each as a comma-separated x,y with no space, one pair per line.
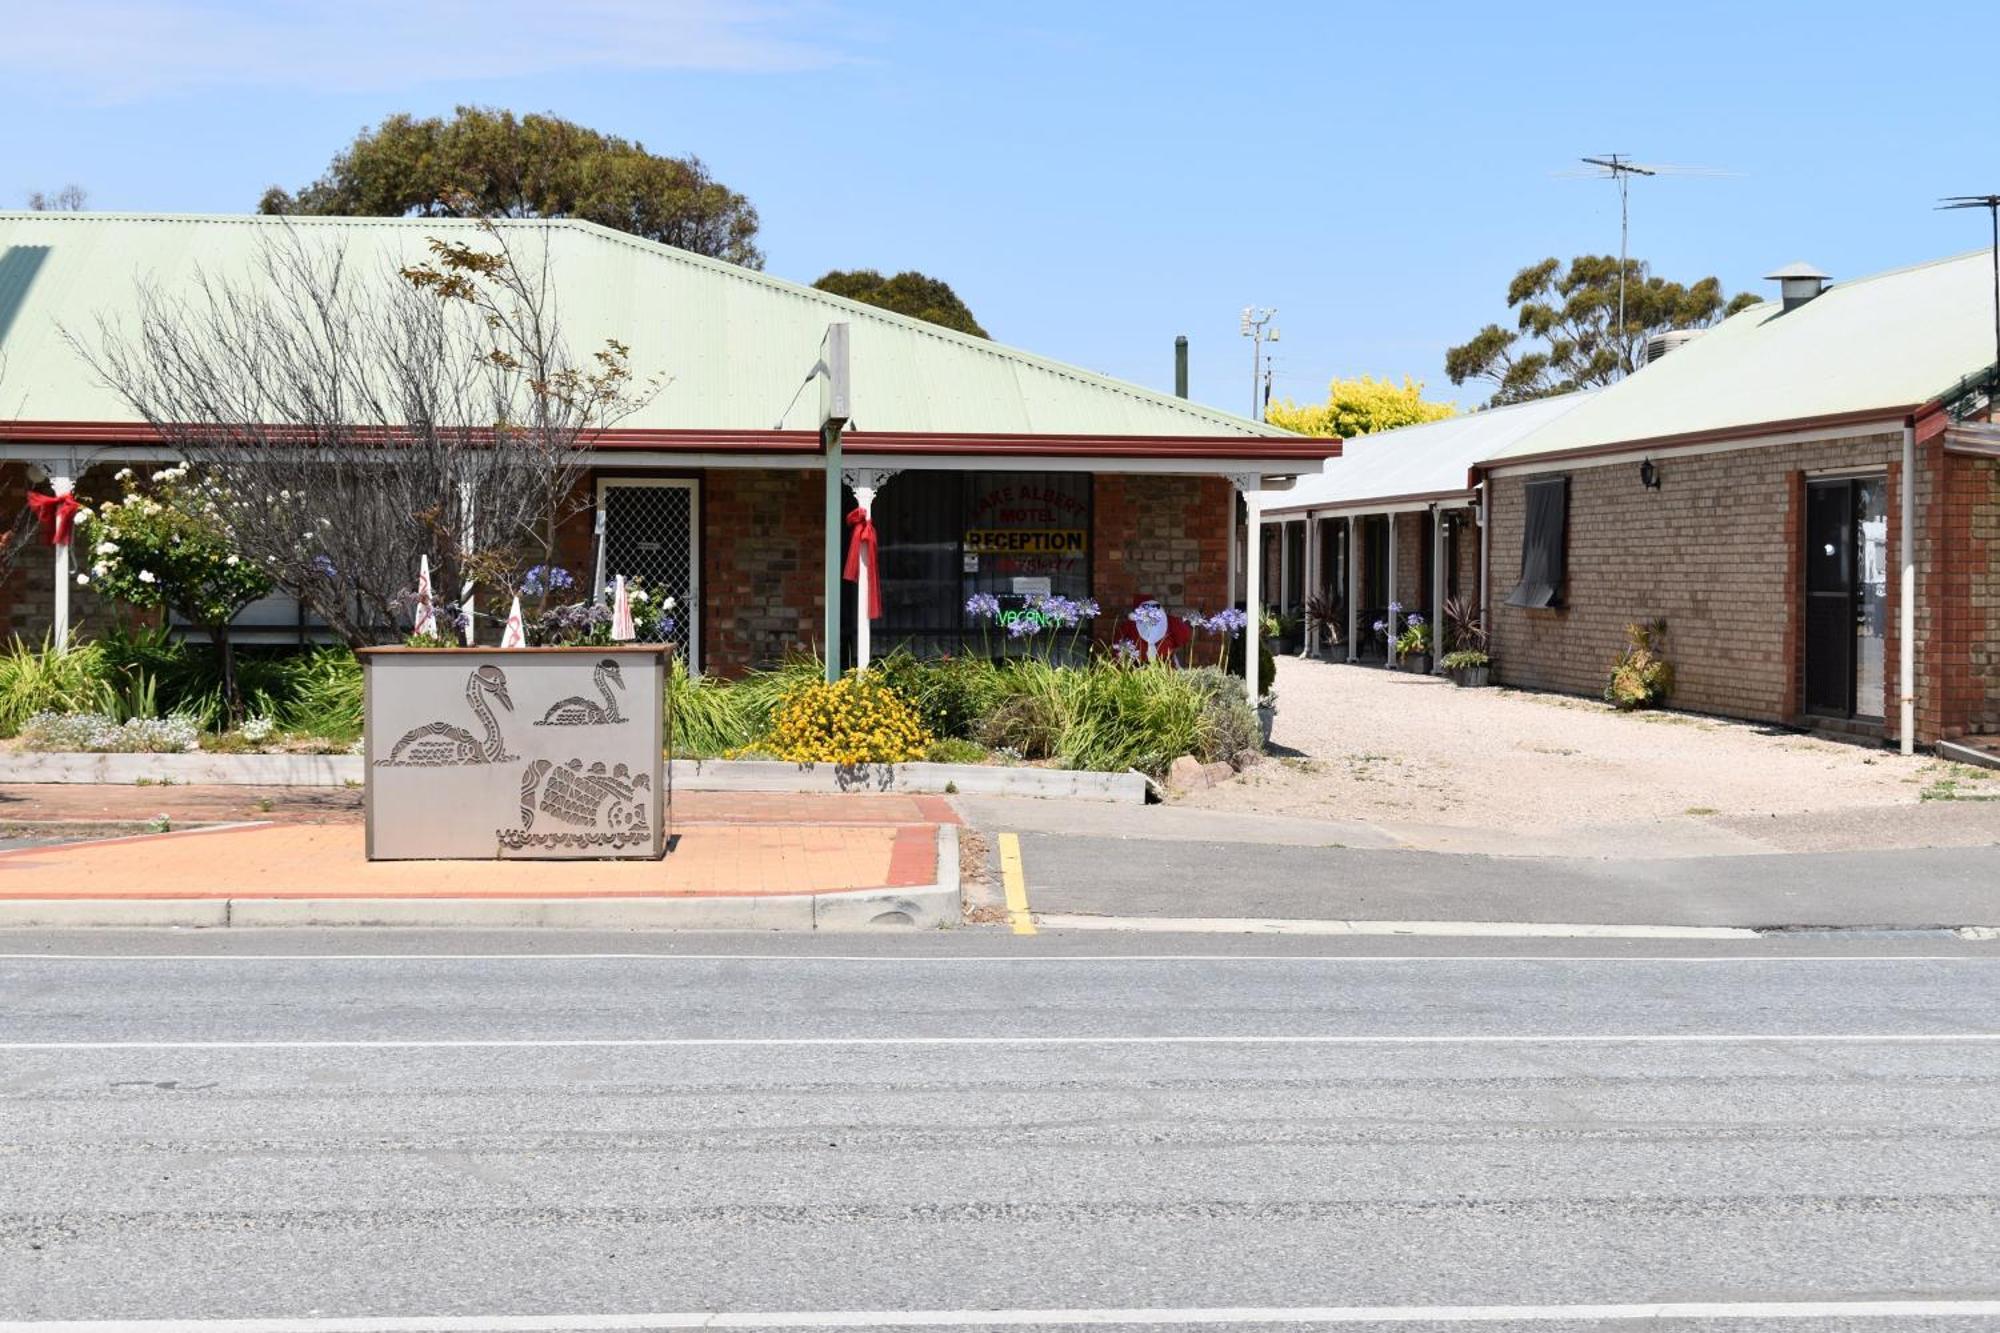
650,533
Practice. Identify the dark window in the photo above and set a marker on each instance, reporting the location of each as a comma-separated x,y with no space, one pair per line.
947,535
1542,542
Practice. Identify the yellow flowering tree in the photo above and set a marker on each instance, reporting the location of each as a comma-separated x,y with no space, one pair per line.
1359,406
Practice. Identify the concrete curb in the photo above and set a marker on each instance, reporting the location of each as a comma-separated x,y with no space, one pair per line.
1965,754
916,779
738,775
931,907
221,770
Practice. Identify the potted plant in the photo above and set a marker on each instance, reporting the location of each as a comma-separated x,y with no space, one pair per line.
1468,660
1413,645
1468,667
1326,621
1287,631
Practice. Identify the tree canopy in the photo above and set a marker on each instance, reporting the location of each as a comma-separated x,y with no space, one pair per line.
489,163
1359,407
908,293
1567,336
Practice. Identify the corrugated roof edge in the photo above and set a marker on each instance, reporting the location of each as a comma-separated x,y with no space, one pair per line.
722,267
1860,416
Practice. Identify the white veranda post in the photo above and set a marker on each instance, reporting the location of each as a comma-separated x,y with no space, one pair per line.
1437,590
1389,652
1253,576
1353,587
1309,582
468,600
864,482
62,481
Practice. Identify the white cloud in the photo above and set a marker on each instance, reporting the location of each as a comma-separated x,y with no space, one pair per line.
129,50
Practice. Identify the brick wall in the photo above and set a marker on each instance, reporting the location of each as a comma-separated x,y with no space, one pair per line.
27,584
1714,551
1164,537
1967,691
763,584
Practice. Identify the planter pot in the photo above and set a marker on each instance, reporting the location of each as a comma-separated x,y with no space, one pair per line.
1267,715
515,754
1472,678
1415,663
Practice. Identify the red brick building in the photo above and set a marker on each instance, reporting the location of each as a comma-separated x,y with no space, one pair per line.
989,469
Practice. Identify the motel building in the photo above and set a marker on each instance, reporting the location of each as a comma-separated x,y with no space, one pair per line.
1808,494
984,469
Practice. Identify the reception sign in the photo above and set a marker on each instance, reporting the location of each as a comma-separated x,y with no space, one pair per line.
516,754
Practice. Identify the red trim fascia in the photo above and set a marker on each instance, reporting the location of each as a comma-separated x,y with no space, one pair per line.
807,442
1717,436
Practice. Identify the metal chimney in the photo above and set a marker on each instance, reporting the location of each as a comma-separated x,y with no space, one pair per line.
1180,366
1798,284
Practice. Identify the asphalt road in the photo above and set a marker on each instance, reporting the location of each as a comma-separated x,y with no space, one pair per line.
1920,888
1154,1131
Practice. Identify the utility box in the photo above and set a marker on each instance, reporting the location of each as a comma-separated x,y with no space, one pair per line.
479,754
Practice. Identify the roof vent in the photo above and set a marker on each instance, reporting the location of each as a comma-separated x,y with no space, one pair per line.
1798,284
1660,344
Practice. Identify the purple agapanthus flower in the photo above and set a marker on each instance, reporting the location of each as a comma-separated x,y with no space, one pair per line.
1381,625
983,605
1148,616
1413,620
546,578
1126,651
1023,627
1229,620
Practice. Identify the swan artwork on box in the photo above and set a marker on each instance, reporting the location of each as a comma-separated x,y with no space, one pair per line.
444,744
579,711
603,806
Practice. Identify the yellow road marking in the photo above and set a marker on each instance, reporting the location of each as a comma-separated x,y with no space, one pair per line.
1016,885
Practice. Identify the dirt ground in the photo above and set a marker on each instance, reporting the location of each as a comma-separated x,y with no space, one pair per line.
1382,747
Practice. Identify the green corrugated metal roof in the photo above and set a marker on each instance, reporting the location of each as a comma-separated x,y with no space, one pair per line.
1888,341
735,343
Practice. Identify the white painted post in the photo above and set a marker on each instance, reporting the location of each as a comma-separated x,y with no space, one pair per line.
1309,582
1253,562
1286,574
1437,590
1906,613
1389,649
468,599
1353,587
864,482
62,484
1485,599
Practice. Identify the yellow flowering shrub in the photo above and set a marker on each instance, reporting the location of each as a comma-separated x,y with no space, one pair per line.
855,720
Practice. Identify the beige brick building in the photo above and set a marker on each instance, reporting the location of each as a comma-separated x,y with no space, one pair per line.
1807,495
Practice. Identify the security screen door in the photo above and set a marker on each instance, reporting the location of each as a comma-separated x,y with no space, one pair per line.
1847,573
650,533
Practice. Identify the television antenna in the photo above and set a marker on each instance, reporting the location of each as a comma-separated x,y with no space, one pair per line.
1991,203
1619,167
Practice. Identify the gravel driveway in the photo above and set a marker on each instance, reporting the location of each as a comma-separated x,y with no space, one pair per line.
1364,744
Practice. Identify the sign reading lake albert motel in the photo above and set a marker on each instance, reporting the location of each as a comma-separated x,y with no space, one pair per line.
1028,527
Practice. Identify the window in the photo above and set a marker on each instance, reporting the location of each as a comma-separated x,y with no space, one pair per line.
947,535
1542,542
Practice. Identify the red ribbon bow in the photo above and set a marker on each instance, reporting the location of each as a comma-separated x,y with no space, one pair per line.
56,514
864,535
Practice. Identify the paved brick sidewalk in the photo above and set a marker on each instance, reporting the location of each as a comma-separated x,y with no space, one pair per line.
312,847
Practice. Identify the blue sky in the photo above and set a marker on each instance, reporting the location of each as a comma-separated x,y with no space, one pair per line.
1095,178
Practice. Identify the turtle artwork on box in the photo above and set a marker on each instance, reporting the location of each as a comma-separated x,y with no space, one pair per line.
442,743
581,806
